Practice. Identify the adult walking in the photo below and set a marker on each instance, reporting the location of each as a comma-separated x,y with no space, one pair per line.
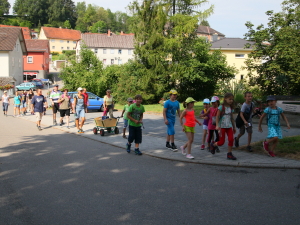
23,103
5,102
30,96
54,96
108,104
64,107
86,99
37,106
78,109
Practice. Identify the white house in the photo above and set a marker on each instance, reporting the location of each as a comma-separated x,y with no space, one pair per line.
109,48
12,50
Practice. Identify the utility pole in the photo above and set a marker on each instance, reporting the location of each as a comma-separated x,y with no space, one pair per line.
174,3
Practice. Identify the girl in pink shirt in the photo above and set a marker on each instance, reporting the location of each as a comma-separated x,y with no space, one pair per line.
189,126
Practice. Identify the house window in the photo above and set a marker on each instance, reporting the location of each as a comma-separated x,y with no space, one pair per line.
52,40
129,52
119,61
242,77
239,55
68,42
53,47
61,41
104,61
74,42
112,51
96,50
112,61
29,59
120,51
68,48
62,48
104,51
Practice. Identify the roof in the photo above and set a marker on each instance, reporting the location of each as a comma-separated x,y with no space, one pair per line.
61,33
231,43
8,39
37,45
208,30
6,80
106,41
26,31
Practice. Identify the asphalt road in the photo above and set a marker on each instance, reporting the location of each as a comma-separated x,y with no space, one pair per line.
52,177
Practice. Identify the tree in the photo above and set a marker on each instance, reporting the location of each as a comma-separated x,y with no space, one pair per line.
80,11
204,23
98,27
4,7
276,54
67,24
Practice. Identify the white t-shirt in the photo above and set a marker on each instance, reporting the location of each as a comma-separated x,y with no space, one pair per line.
5,98
108,100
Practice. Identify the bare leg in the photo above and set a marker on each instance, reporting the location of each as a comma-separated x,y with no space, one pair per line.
249,138
68,120
77,123
82,122
188,145
204,137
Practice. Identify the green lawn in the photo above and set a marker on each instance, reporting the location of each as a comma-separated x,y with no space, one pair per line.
157,108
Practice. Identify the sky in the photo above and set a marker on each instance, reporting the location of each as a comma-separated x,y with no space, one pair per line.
229,16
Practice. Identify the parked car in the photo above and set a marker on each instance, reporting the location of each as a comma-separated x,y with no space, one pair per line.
46,81
95,102
38,84
26,86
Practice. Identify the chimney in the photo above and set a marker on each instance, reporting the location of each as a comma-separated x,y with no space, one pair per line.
122,33
108,33
215,37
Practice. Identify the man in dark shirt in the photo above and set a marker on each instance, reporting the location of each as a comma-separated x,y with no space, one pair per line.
37,106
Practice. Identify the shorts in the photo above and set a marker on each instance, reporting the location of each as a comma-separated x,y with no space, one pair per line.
64,112
243,128
205,127
5,106
23,105
55,107
189,129
171,130
80,113
125,123
135,133
39,116
17,106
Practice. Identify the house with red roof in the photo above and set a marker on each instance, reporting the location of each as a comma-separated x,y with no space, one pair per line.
12,50
60,38
26,31
209,33
36,63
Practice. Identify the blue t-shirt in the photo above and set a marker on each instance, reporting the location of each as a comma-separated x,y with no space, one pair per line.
17,100
273,115
171,107
38,103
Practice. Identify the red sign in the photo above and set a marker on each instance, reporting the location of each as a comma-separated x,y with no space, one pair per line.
30,73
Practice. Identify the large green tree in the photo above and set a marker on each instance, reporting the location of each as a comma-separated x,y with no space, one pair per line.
4,7
276,55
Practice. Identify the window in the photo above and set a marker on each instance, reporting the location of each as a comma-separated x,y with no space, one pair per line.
242,77
68,48
112,61
92,96
119,61
120,51
129,52
62,48
104,61
52,40
68,42
74,42
61,41
239,55
112,51
53,47
104,51
96,50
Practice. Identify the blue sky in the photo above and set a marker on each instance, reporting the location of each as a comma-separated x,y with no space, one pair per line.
229,16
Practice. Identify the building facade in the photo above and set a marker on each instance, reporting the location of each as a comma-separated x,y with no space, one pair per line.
209,33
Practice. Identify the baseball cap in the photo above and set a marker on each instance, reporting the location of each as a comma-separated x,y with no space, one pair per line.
189,100
79,89
56,85
5,91
173,92
129,99
214,99
271,98
206,101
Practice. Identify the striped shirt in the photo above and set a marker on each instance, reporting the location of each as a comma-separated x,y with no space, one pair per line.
55,95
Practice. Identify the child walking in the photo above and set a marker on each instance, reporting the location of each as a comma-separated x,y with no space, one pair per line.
125,112
225,125
189,126
206,104
273,121
135,116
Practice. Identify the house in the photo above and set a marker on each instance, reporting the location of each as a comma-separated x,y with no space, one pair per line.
209,33
36,63
26,31
236,51
59,38
12,50
109,48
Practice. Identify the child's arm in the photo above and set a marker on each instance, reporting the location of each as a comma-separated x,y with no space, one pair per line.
165,116
233,123
197,121
130,117
180,119
286,121
218,119
122,112
141,118
208,111
178,112
260,121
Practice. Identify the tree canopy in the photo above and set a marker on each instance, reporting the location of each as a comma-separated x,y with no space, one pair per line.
4,7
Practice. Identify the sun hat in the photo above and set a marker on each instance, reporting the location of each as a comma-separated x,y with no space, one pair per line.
206,101
129,99
79,89
271,98
189,100
5,91
214,99
173,92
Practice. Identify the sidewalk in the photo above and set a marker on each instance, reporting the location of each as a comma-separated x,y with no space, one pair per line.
154,142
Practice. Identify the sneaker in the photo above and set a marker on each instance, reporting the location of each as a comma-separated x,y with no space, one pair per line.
230,156
271,153
266,146
202,147
217,149
174,148
236,142
54,123
168,146
68,127
212,148
189,156
128,146
182,150
60,124
81,131
137,151
249,148
39,128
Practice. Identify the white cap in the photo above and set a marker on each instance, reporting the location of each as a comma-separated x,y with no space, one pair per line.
79,89
206,101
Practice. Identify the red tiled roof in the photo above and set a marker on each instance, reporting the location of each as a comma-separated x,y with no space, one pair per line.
61,33
26,31
105,41
8,38
36,45
208,30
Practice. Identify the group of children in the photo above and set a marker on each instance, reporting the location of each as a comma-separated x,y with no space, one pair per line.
217,118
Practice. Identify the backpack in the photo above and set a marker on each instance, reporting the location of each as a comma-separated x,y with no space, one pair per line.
239,121
269,116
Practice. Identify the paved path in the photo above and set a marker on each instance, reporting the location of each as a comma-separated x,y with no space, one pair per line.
154,142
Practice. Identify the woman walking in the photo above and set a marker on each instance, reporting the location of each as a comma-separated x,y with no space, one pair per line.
78,109
5,102
108,104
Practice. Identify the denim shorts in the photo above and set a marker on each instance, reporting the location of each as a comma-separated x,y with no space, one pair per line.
125,123
80,113
5,106
23,105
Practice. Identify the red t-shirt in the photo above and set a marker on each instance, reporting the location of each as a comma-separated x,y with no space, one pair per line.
213,112
190,118
86,97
